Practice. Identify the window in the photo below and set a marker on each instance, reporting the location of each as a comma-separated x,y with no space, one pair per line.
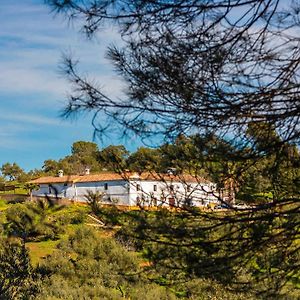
154,187
106,186
171,187
188,188
138,187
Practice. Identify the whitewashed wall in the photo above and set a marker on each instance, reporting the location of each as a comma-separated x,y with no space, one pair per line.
174,193
116,192
56,190
136,192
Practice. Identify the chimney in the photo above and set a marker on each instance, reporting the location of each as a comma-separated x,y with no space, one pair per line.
60,173
171,171
87,171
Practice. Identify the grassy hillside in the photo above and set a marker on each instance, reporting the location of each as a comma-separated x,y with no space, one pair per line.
172,254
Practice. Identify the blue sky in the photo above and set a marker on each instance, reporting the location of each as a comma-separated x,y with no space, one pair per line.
32,91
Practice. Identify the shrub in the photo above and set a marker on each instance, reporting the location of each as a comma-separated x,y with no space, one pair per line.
17,277
32,221
91,267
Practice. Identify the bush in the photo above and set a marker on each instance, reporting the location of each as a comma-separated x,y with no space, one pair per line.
110,215
90,267
17,277
150,292
202,289
32,221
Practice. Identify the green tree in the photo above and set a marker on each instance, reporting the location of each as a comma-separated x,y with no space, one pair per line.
82,148
186,65
271,176
209,67
12,171
94,200
224,248
113,157
50,166
17,277
144,159
83,155
35,173
183,155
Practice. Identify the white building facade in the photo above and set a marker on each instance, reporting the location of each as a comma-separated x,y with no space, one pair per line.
131,189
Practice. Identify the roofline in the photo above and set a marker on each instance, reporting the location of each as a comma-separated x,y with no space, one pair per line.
126,177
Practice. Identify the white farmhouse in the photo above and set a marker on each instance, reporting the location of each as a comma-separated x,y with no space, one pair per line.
131,189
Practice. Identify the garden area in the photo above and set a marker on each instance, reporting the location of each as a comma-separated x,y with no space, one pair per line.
95,252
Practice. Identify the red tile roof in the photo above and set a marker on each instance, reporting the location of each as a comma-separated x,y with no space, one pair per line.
77,178
54,179
171,177
109,176
99,177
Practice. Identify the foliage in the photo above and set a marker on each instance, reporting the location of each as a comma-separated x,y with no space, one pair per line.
69,218
94,200
31,221
144,159
240,250
51,166
229,71
3,205
17,277
193,66
190,254
82,148
12,171
111,215
89,267
113,157
83,154
98,205
202,289
71,214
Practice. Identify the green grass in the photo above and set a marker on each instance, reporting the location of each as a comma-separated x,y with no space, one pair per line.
17,191
39,250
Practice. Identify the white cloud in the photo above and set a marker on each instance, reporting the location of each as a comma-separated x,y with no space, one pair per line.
32,92
24,81
31,45
29,118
